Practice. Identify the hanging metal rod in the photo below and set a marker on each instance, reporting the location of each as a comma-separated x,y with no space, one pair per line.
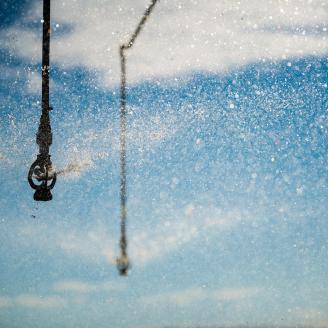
141,24
41,176
123,263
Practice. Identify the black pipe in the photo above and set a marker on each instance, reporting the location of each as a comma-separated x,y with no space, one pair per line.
41,169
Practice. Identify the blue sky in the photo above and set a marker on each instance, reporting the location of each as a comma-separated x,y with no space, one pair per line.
227,166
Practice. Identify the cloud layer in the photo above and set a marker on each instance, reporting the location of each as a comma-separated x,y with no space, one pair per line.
32,301
180,37
192,295
83,287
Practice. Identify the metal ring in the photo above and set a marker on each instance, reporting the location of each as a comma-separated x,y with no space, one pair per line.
34,166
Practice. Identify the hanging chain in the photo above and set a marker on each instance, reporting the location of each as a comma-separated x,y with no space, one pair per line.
41,170
123,261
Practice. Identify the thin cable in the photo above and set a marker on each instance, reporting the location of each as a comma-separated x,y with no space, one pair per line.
142,22
123,261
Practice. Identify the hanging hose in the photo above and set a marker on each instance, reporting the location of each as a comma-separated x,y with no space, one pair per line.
41,176
123,261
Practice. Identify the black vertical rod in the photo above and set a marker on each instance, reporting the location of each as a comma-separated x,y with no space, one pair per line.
41,169
44,137
45,55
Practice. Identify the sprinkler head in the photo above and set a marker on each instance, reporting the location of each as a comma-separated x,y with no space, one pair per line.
123,265
42,179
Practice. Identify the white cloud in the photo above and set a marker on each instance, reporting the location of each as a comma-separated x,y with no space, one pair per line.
98,244
77,286
235,294
181,298
196,294
95,245
306,314
180,37
36,301
173,234
77,290
173,231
